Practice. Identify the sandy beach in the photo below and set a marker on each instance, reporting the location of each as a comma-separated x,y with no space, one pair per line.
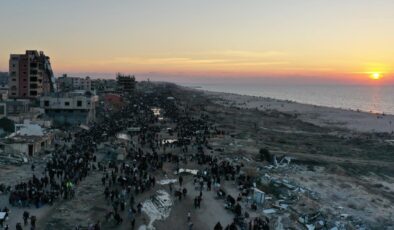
318,115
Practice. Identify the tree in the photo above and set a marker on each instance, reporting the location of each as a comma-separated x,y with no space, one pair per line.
7,125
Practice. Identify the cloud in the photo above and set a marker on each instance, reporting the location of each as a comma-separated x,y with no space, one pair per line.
218,58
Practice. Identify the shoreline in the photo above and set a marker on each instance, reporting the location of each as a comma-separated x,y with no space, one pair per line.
354,120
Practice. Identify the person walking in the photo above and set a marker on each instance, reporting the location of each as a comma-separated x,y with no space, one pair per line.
26,216
190,224
180,181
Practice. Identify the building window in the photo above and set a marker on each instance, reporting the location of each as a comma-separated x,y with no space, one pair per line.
67,103
79,103
46,103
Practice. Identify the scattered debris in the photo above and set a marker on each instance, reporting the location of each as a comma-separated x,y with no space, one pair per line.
269,211
167,181
191,171
158,207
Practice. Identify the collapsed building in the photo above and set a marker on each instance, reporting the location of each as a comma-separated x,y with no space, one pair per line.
27,141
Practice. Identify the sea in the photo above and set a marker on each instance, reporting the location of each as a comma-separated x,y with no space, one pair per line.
368,98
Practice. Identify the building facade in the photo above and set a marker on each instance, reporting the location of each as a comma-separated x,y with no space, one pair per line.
30,75
72,108
125,83
104,85
67,84
3,78
17,106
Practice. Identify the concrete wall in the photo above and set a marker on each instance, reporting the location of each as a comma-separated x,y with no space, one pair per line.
68,117
23,147
77,102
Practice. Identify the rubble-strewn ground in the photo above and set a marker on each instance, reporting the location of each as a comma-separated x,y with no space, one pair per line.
347,178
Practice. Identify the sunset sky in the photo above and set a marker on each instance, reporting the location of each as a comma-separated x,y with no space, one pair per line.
313,40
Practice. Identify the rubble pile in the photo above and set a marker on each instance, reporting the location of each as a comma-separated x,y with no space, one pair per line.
12,158
293,205
158,207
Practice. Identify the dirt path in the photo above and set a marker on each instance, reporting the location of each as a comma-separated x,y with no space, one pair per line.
211,211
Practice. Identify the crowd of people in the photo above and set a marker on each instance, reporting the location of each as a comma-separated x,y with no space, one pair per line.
75,158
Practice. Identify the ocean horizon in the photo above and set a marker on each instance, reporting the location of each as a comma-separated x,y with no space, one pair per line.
374,99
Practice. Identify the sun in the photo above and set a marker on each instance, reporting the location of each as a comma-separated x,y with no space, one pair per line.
376,76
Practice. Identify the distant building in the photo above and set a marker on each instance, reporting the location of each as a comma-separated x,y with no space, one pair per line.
17,106
3,78
3,92
113,101
104,85
3,109
64,83
73,108
67,84
125,83
30,75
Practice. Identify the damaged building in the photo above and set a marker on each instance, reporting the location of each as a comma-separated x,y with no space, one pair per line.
28,139
73,108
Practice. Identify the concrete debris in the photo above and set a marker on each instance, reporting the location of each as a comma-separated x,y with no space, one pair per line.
27,129
269,211
310,226
158,207
123,136
13,158
134,129
289,188
258,196
85,127
191,171
167,181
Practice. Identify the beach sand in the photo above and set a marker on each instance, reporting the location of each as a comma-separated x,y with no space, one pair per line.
317,115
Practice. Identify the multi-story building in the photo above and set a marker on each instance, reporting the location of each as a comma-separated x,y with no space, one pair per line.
104,85
67,84
30,75
78,107
126,83
64,83
82,83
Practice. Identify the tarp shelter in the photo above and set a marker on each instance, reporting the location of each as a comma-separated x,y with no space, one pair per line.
258,196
